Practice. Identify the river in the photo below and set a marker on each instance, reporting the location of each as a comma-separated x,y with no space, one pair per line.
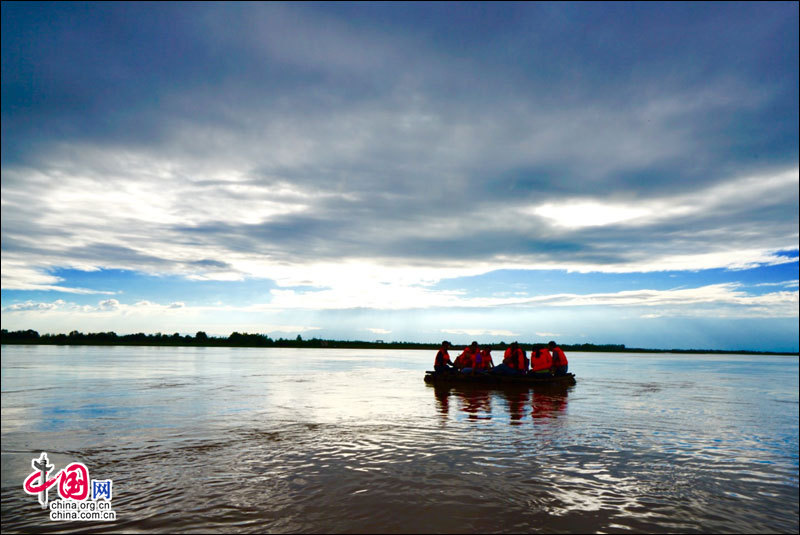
341,440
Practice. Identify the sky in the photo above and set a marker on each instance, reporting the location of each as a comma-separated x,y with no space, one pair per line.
609,173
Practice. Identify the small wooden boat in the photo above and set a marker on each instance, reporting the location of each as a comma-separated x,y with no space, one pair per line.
501,380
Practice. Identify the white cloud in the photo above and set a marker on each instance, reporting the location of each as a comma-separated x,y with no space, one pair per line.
786,284
17,274
401,297
738,193
480,332
588,213
728,299
716,300
378,331
31,305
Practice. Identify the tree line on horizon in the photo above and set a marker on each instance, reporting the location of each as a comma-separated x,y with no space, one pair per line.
237,339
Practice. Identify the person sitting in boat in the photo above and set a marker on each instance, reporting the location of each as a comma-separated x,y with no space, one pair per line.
467,359
514,360
559,359
541,361
442,362
484,361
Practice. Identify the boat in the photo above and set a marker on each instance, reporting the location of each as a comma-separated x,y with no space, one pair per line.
434,378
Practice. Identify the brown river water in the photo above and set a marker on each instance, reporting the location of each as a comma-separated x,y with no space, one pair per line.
332,440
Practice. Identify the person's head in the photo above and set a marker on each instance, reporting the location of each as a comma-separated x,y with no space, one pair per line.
514,345
551,344
445,344
487,349
474,345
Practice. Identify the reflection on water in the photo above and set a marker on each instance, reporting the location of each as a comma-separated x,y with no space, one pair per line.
521,402
245,440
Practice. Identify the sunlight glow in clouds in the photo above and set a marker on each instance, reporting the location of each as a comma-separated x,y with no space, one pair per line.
751,190
589,213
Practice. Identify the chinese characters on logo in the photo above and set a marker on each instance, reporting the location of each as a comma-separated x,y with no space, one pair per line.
74,488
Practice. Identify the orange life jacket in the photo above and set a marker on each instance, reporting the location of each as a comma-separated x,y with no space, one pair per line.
559,358
541,360
442,358
466,359
485,361
517,360
508,360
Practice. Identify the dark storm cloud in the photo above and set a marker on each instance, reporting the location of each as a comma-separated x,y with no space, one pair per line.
123,72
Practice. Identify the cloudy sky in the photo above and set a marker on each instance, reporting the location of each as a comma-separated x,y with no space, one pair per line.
605,173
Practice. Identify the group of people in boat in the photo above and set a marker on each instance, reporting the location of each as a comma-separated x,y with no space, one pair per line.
545,360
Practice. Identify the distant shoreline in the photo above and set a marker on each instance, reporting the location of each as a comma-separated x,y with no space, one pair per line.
75,338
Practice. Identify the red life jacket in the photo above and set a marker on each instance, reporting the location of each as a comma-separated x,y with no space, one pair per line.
485,361
469,356
466,359
542,360
517,361
508,359
559,358
442,358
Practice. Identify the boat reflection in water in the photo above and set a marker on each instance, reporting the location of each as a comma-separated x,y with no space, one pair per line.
522,403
